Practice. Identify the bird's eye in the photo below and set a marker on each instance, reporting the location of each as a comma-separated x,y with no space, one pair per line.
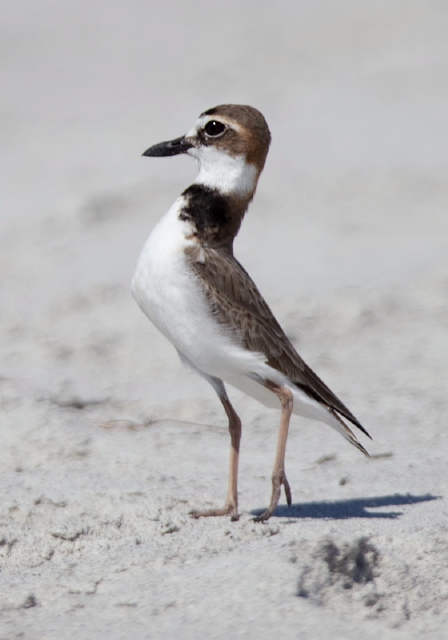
214,128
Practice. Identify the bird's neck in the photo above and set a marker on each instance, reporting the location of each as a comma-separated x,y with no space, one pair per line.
216,202
216,217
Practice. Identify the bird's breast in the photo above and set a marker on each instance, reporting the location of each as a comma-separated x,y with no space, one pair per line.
172,295
167,289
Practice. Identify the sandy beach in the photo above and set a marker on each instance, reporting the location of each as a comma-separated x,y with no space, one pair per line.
107,441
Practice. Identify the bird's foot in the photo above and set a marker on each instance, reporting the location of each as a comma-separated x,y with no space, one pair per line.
278,479
229,509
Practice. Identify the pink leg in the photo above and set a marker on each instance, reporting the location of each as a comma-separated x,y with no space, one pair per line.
231,505
278,475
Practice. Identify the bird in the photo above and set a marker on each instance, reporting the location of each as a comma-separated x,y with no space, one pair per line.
192,288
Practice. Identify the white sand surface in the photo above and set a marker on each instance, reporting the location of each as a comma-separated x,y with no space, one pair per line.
107,442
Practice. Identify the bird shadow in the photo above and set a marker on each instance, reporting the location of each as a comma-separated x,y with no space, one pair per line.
346,509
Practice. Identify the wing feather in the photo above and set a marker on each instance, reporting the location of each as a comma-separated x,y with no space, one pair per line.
238,304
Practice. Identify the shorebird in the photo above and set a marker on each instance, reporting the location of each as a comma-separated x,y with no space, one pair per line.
193,289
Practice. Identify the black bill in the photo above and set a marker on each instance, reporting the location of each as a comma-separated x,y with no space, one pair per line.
169,148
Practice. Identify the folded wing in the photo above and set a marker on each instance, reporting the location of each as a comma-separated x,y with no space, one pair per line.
238,305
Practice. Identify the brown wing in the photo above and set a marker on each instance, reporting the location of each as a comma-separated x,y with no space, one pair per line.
238,304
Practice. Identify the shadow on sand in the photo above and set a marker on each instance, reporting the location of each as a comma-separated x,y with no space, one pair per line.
344,509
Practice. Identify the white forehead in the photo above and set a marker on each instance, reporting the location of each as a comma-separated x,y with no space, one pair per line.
202,121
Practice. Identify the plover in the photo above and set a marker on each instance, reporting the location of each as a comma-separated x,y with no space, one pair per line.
193,289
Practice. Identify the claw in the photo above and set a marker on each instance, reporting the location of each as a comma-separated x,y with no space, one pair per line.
287,491
277,481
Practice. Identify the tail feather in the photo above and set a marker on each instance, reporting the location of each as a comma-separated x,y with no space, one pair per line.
347,433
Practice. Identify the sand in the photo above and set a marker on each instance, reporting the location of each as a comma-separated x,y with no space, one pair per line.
107,442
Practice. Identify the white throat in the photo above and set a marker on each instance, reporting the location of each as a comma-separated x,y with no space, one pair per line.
226,173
